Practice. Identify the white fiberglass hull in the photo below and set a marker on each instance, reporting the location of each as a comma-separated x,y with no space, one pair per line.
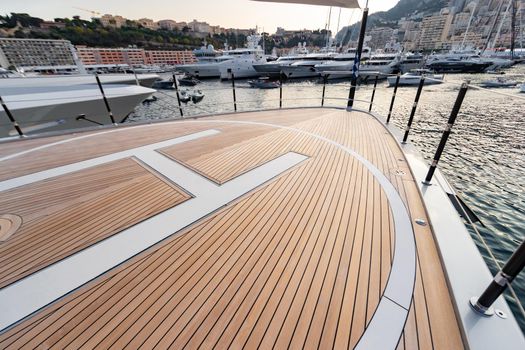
73,80
414,80
241,68
292,72
55,109
208,70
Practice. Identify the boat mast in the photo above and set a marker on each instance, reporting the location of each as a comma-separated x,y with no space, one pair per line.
468,26
327,28
338,23
487,43
501,24
357,59
512,33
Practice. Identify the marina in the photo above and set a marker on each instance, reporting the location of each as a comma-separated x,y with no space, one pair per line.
366,203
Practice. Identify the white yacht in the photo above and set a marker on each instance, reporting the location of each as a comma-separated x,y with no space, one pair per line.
45,108
385,63
341,65
413,78
306,68
273,69
241,60
207,66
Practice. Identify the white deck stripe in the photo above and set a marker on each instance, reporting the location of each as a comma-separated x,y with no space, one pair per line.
30,294
66,169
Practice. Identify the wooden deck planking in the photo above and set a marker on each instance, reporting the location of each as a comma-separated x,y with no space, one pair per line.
254,274
79,217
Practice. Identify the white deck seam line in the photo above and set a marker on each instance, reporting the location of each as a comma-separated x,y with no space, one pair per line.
66,169
381,330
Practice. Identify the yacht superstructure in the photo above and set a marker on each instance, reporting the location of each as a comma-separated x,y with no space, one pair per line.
243,59
207,66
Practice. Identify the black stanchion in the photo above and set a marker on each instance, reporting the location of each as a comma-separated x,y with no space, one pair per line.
414,108
393,99
357,60
105,99
446,133
178,95
501,281
233,89
324,90
11,118
373,94
280,90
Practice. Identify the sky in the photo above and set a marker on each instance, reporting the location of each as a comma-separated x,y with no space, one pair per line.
226,13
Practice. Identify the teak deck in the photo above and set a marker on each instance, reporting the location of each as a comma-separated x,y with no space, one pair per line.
301,261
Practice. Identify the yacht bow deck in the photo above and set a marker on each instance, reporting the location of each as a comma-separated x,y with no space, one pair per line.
292,228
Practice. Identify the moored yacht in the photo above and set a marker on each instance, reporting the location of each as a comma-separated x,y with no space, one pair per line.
306,67
242,60
207,66
341,65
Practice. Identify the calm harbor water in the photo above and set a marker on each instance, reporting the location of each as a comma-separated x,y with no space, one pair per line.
484,159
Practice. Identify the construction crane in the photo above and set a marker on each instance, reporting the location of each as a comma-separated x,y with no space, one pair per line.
93,13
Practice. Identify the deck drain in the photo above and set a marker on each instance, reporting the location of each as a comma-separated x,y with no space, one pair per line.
9,224
421,222
501,314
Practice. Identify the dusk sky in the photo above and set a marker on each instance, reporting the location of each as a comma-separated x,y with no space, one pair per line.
226,13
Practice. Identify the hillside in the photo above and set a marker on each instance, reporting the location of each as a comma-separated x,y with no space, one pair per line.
404,8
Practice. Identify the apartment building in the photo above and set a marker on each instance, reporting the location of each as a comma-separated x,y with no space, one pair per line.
35,52
160,57
91,55
435,31
133,56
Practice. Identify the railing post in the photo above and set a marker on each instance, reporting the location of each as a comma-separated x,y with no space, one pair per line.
393,99
105,99
233,89
501,281
446,133
177,93
373,94
414,108
11,118
280,91
324,89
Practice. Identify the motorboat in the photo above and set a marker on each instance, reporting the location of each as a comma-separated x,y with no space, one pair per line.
522,88
500,82
264,83
242,60
188,80
52,108
413,78
197,96
164,84
458,65
184,96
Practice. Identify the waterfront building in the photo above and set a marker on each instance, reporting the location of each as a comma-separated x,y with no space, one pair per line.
170,57
132,56
92,55
34,52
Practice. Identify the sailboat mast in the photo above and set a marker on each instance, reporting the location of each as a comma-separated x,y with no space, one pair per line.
468,26
328,27
501,24
512,30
